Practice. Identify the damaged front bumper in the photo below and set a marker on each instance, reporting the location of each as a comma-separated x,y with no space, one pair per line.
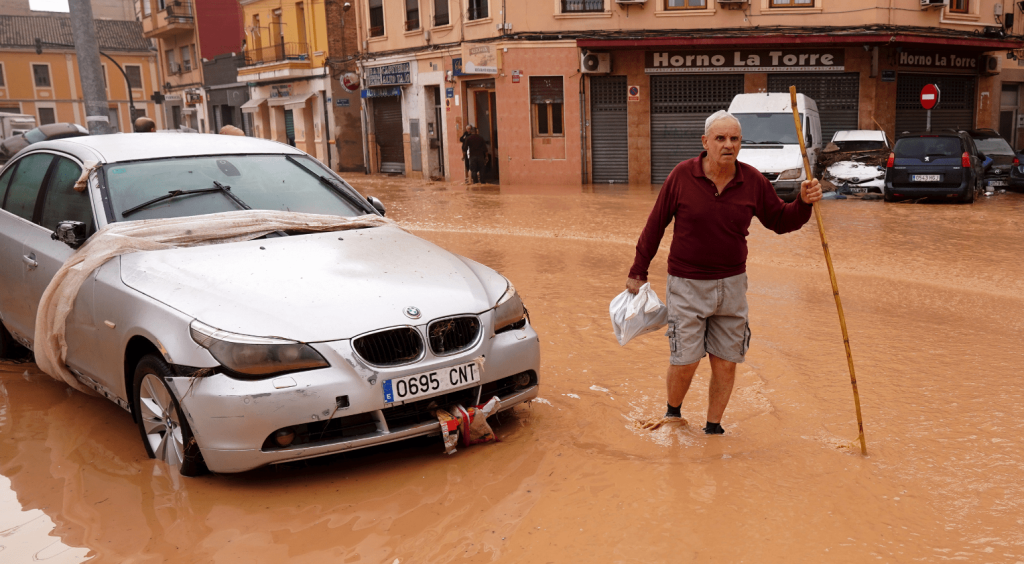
343,407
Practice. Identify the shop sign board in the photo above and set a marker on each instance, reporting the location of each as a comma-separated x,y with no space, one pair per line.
342,102
938,61
449,92
457,66
479,58
389,75
888,76
745,60
381,92
280,90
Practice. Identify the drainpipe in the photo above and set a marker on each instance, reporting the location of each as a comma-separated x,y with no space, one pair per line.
583,132
362,117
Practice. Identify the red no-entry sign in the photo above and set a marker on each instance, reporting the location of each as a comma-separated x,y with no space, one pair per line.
929,96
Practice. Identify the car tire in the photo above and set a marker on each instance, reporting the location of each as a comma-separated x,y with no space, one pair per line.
9,348
165,432
968,198
886,196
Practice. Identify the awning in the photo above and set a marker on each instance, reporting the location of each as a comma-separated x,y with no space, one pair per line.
292,102
253,105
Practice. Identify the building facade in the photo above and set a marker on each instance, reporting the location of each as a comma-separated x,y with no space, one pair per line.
219,27
289,82
44,82
581,91
171,24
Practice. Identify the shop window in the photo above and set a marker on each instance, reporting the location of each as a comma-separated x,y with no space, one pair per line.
412,15
441,13
478,9
186,58
546,100
686,4
577,6
47,116
960,6
792,3
134,73
376,18
41,74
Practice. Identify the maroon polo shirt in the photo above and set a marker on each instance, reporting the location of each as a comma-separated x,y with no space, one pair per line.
709,241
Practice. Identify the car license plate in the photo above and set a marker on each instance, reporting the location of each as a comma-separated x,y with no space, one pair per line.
996,183
429,383
925,177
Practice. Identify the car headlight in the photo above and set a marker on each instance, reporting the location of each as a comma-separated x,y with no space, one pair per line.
792,174
255,358
509,310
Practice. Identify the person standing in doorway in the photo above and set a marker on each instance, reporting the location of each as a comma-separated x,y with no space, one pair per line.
477,155
465,149
712,199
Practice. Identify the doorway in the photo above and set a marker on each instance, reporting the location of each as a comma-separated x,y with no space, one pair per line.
1008,105
435,159
485,113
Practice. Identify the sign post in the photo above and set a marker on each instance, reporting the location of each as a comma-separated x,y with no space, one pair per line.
929,99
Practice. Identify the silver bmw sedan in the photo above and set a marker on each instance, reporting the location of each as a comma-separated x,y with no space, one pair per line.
237,355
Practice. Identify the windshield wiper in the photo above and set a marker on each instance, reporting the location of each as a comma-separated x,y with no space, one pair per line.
335,186
217,187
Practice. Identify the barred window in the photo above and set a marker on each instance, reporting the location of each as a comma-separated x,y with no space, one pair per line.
577,6
441,13
376,18
546,100
685,4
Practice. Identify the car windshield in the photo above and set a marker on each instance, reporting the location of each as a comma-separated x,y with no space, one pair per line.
860,145
225,183
35,135
994,146
759,129
920,147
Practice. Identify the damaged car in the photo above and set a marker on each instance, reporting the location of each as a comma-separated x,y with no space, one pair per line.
853,161
237,355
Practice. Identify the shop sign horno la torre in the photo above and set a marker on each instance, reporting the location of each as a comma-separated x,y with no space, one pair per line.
744,60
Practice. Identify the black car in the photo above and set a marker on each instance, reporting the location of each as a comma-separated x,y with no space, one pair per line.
992,145
936,165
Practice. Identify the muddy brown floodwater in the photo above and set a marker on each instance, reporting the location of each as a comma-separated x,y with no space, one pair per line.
933,298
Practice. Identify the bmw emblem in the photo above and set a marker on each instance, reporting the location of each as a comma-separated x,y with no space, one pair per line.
412,312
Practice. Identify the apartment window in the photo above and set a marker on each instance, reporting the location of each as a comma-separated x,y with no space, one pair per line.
376,18
575,6
412,15
146,10
10,108
960,6
685,4
792,3
134,73
546,99
2,81
186,58
441,13
172,63
47,116
41,74
478,9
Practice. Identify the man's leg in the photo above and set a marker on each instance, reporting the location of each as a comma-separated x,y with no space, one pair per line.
679,379
723,376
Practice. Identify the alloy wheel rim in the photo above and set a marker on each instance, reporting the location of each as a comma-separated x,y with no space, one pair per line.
160,421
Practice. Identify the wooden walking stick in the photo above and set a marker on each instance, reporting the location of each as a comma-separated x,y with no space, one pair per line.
831,273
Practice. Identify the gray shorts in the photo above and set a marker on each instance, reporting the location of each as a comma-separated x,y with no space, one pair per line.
707,316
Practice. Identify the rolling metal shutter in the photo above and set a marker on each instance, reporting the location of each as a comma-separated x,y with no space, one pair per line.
837,96
609,137
956,102
289,127
387,128
679,107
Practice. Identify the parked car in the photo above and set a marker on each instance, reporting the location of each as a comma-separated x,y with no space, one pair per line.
854,163
937,165
990,144
1017,172
857,140
12,145
308,344
770,143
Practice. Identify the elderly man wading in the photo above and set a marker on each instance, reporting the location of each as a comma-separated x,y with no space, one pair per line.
712,198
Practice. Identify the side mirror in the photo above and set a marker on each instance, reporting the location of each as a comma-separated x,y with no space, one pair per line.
377,205
71,233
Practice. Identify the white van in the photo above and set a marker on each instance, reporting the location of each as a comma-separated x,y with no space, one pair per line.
769,138
15,124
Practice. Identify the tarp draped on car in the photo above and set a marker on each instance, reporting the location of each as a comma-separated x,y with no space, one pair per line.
158,234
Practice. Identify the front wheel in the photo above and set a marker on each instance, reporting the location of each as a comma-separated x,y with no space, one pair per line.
165,431
968,198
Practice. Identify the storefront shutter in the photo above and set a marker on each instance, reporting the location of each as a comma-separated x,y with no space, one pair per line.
679,107
956,102
837,96
387,127
609,136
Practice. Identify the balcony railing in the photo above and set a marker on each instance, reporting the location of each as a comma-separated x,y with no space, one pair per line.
179,9
576,6
277,53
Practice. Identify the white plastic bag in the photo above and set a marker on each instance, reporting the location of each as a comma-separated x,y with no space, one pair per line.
634,315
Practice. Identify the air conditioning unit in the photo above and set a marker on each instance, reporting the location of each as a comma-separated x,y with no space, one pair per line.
991,64
934,3
734,4
596,63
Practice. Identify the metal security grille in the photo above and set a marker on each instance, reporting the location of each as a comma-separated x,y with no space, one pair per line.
956,103
387,127
390,348
609,136
679,106
289,127
837,96
449,336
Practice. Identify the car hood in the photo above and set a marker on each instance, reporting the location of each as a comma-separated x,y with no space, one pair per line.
854,171
319,287
772,159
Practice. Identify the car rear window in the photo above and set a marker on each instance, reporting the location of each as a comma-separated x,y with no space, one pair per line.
920,147
993,146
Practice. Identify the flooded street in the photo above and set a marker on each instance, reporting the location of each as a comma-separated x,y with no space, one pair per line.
933,300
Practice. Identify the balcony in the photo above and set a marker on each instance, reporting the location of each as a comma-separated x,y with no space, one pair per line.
298,52
174,19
